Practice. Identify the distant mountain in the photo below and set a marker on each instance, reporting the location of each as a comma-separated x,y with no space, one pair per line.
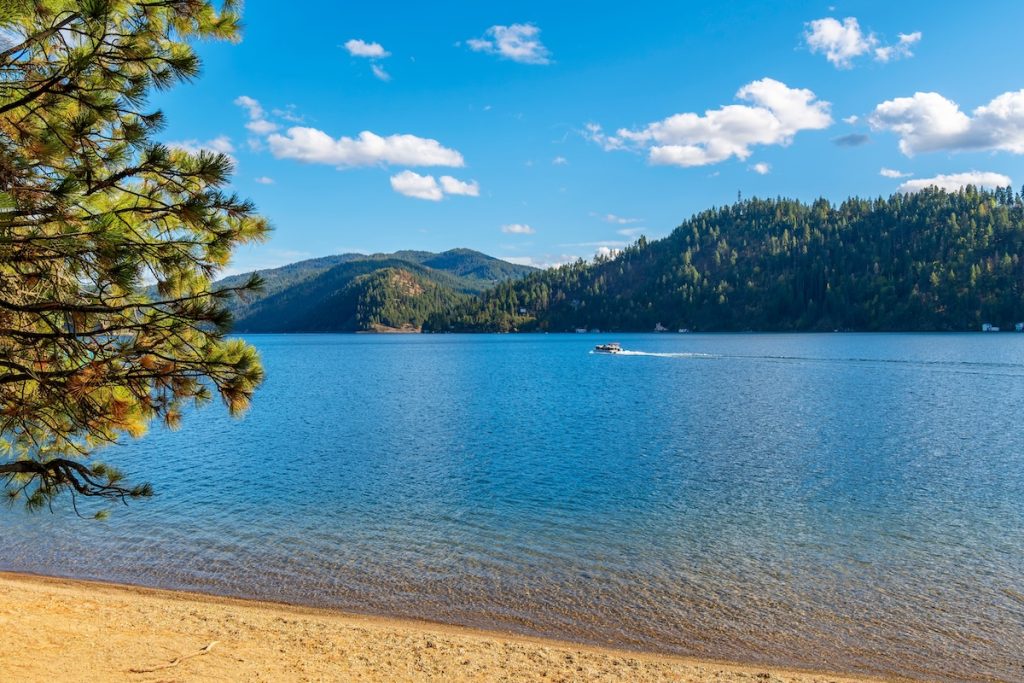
358,292
933,260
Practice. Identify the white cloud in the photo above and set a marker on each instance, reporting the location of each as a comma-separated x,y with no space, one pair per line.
842,42
360,48
452,185
545,261
777,115
265,180
955,181
517,229
261,126
252,105
630,232
900,49
427,187
852,120
893,173
559,161
607,252
518,42
929,122
620,220
380,73
761,168
258,122
288,114
415,185
368,149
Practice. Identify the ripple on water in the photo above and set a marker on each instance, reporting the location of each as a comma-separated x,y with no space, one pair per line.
839,501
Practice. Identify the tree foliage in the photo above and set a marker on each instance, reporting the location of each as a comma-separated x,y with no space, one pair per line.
108,241
933,260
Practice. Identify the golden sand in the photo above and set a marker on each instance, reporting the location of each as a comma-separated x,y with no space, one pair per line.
64,630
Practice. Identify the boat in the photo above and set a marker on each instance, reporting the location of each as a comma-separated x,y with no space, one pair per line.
613,347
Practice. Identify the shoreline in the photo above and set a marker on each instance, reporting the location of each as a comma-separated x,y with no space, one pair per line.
112,630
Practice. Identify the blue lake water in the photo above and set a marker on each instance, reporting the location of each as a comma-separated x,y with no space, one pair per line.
851,502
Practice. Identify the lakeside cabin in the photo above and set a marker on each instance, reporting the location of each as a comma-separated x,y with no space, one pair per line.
989,327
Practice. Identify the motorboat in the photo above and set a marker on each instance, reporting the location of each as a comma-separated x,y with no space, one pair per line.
613,347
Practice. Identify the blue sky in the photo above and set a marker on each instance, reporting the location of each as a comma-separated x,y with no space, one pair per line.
580,125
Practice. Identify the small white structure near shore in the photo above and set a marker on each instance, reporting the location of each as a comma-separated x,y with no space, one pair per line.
1019,327
989,327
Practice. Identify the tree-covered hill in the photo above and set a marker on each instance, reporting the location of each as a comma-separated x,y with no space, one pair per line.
927,261
356,292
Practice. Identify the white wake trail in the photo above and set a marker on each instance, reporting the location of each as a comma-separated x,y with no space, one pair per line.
652,354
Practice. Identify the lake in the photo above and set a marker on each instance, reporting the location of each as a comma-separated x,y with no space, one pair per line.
840,501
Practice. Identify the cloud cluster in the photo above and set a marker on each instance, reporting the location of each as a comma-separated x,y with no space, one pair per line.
374,51
367,149
427,187
776,115
842,42
953,182
518,43
928,122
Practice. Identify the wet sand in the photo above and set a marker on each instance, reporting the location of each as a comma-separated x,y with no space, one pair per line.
67,630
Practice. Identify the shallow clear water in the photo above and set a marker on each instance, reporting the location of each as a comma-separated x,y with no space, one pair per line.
853,502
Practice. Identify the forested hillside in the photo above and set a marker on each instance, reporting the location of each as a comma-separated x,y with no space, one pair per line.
356,292
927,261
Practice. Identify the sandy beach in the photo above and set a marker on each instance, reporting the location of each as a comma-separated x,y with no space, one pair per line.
67,630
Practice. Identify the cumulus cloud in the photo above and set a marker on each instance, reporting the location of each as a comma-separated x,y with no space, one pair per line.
368,149
518,42
427,186
258,122
776,115
893,173
517,229
761,168
265,180
843,42
415,185
928,122
360,48
452,185
851,119
953,182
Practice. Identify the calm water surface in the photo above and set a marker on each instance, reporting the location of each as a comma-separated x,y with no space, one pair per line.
852,502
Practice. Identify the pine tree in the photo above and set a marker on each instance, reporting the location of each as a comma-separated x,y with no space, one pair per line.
108,241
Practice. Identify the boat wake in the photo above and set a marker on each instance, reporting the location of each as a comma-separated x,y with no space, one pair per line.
626,352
